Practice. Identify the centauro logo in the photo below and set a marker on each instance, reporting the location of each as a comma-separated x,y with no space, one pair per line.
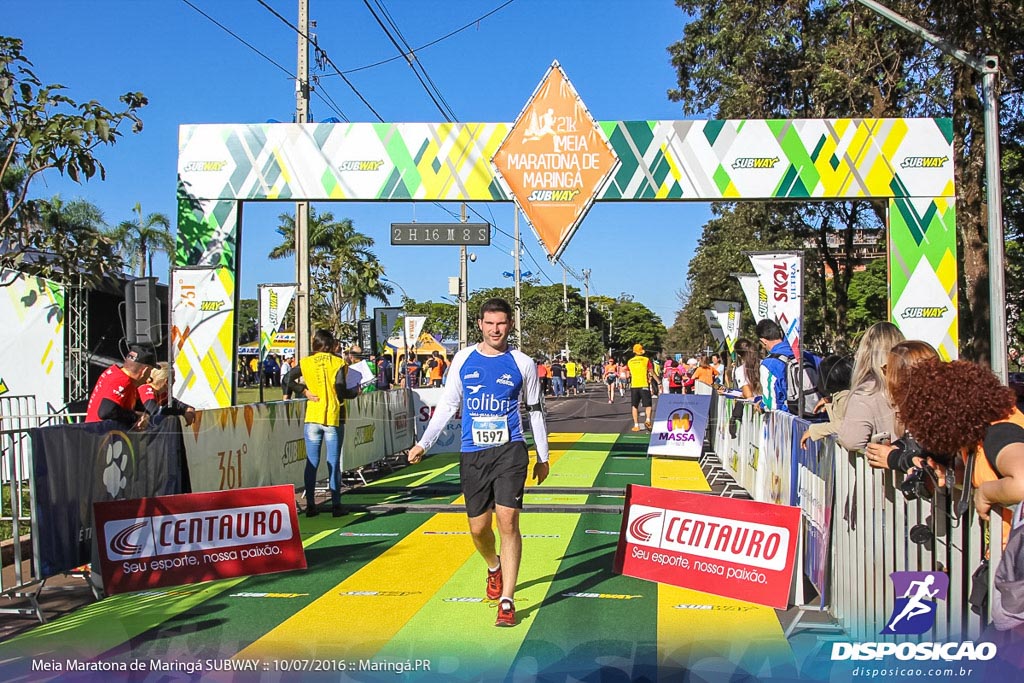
362,165
755,162
211,305
379,594
924,162
205,166
924,312
567,195
716,608
269,595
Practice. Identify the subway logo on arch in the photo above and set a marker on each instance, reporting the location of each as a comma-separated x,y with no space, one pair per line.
716,538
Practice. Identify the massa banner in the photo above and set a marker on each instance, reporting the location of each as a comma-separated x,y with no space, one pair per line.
175,540
734,548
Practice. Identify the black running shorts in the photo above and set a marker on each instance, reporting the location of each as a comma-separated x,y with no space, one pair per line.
494,476
640,395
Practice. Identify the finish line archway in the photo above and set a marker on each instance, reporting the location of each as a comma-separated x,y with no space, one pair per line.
907,162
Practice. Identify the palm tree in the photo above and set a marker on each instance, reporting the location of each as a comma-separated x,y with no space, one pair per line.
341,265
80,244
142,236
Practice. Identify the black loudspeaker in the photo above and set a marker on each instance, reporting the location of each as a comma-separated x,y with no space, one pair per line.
368,336
142,315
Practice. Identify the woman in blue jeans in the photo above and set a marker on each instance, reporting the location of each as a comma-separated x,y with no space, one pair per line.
324,375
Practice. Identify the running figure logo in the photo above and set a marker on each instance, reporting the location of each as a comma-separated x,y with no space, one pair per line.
915,607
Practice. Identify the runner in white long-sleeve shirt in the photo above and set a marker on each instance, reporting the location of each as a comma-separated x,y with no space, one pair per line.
486,382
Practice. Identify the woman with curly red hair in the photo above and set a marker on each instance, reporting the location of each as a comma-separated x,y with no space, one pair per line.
898,368
960,407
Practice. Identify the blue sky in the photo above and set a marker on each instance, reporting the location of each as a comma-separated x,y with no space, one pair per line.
193,72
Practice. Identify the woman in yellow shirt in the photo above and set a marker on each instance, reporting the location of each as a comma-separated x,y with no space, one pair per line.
325,378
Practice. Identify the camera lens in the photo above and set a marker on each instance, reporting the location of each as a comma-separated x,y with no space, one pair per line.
921,534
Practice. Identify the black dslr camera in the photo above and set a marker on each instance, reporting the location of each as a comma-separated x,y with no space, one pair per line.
901,458
915,484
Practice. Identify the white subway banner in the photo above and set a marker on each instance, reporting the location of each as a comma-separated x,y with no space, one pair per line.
273,302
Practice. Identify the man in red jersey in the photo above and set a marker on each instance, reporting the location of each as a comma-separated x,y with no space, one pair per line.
116,391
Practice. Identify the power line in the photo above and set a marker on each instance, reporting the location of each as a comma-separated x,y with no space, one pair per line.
448,114
323,54
446,36
252,47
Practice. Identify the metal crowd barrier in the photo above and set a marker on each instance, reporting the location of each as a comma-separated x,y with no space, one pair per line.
870,528
18,414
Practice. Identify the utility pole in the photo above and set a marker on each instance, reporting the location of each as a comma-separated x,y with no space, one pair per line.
302,208
517,272
988,68
586,288
463,289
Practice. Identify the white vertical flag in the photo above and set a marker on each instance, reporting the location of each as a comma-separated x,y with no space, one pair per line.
781,275
413,327
757,297
728,314
273,302
716,329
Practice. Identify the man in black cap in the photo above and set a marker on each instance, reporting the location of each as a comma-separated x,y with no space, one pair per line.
116,392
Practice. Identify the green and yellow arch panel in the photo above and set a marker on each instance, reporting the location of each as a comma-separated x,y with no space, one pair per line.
907,162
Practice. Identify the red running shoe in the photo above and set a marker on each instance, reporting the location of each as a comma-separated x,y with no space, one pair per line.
494,583
506,614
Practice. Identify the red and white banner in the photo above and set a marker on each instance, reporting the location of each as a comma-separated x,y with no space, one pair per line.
781,275
734,548
174,540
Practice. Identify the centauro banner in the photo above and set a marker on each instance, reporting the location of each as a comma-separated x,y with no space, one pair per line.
176,540
273,302
734,548
554,160
203,335
781,275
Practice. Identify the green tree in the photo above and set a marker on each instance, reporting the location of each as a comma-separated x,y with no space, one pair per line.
246,321
442,318
869,297
828,58
344,271
41,130
79,244
141,237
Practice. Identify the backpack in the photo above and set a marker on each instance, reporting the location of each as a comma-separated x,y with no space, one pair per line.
809,375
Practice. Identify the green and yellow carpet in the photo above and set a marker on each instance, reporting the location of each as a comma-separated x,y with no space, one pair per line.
396,581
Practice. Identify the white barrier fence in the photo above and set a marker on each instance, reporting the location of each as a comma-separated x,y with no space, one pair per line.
858,526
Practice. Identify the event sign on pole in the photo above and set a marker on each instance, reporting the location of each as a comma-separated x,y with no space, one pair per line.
174,540
756,296
728,313
203,328
738,549
273,304
554,160
413,326
781,275
679,425
385,319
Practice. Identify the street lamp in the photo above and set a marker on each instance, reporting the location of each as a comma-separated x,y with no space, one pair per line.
988,68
